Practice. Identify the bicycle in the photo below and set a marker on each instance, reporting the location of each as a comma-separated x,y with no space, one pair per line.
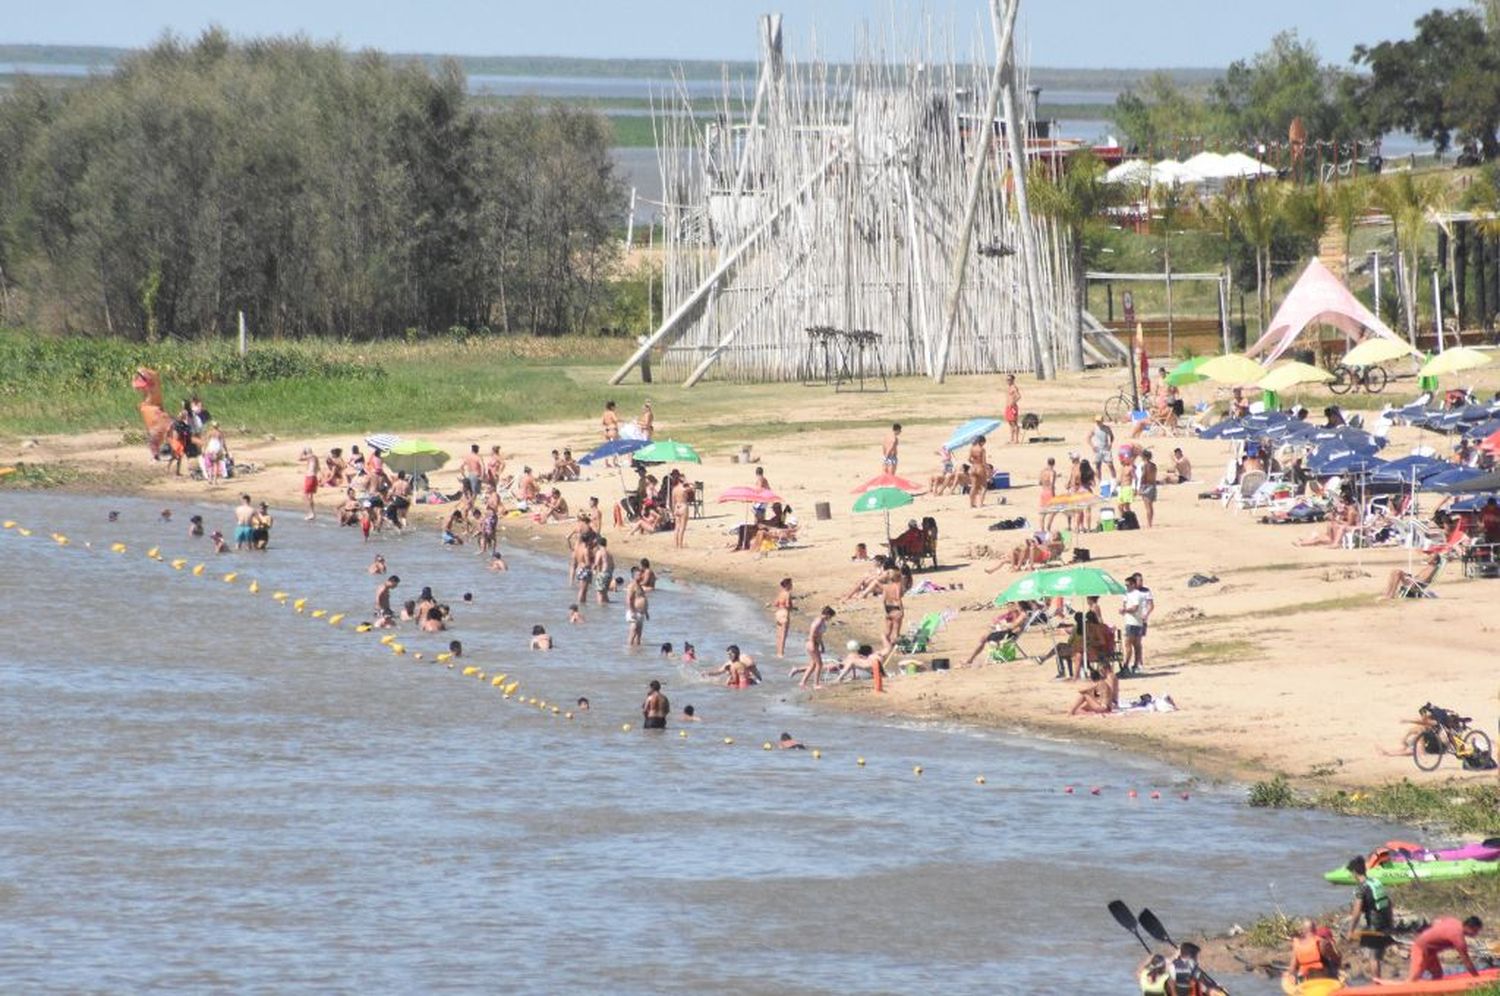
1346,379
1118,408
1451,736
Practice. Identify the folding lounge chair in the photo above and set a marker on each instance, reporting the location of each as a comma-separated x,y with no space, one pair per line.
1011,649
915,642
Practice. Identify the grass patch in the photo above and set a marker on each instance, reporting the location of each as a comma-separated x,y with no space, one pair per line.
1210,651
1297,608
1464,808
1271,931
38,476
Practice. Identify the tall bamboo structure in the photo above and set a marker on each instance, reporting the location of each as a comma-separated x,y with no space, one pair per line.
837,197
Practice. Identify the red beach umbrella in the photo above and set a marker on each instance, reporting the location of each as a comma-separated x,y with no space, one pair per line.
889,481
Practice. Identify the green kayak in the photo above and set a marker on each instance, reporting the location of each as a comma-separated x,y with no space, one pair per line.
1396,872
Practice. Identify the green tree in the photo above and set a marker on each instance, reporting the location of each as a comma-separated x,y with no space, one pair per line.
1158,116
1442,85
1258,98
1347,203
1078,200
1407,199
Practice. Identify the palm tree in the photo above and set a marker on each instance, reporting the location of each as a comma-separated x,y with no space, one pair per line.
1258,209
1407,199
1076,199
1347,204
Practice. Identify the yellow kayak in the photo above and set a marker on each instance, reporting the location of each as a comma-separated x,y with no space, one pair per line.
1310,987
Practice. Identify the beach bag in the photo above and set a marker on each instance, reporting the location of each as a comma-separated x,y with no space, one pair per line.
1128,520
1080,555
1479,760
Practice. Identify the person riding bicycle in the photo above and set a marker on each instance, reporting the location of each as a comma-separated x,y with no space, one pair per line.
1373,904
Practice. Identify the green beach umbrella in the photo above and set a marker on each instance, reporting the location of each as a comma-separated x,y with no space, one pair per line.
882,500
1061,582
1186,372
415,456
666,451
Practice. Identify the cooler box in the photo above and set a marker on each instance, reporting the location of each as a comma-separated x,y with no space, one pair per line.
1000,480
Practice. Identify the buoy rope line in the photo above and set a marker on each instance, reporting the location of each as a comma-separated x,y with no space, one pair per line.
507,684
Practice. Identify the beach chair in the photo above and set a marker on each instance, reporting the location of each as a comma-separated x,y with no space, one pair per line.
1011,649
1481,560
696,507
1245,493
916,641
1412,586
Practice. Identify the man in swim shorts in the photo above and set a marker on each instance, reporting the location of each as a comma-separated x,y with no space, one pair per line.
383,598
637,611
655,709
888,454
243,533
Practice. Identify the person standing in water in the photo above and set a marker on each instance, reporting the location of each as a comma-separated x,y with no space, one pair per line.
815,648
783,606
243,531
383,598
310,468
656,708
637,611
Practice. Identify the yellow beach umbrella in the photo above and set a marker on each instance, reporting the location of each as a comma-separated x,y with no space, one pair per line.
1232,368
1454,360
1377,350
1292,373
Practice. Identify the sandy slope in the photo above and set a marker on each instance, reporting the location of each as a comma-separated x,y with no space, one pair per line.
1289,664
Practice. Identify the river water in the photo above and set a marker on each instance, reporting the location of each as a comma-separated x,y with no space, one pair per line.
204,790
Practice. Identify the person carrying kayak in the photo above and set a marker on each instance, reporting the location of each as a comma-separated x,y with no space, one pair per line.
1372,904
1185,978
1313,955
1445,933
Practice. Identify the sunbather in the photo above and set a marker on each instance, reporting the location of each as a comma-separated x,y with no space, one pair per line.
1006,626
1102,696
1345,517
1032,552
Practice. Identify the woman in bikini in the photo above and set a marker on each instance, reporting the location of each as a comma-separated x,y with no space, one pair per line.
1047,484
979,472
682,500
783,607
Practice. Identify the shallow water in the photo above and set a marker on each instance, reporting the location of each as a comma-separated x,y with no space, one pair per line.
204,790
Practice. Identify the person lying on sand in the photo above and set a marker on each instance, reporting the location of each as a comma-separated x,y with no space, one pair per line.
1042,548
861,657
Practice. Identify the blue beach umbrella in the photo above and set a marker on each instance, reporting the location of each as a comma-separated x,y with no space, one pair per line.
1463,480
612,448
1403,470
970,431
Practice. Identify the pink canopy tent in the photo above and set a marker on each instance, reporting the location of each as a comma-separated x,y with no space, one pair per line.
1318,297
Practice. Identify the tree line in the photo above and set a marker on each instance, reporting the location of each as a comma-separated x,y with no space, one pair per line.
316,191
1442,85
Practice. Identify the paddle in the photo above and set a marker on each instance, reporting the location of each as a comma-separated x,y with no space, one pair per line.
1126,919
1155,929
1406,855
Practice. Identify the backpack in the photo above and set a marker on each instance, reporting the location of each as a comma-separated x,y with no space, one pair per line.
1031,421
1479,760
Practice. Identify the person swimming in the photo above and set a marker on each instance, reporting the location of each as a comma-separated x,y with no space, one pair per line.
455,648
787,743
540,639
195,525
583,705
690,715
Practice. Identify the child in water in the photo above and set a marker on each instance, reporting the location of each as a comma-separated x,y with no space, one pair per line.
540,639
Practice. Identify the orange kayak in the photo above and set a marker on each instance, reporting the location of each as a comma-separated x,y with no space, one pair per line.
1461,982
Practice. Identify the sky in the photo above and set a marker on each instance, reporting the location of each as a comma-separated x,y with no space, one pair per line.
1073,33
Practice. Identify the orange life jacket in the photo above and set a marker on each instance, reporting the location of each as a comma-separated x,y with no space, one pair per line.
1307,957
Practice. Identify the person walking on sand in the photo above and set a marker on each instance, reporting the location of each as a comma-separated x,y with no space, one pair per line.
1135,608
888,452
815,648
647,421
656,708
637,611
783,607
1013,408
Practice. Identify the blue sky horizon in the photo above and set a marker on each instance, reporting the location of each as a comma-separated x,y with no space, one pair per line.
1147,34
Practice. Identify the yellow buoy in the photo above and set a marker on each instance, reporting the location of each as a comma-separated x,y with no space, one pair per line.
363,628
555,710
319,613
60,539
198,570
480,676
299,603
766,745
229,578
154,553
859,761
388,639
625,727
179,564
542,704
117,547
255,587
503,677
917,771
817,755
510,689
470,671
335,619
498,680
9,523
445,655
531,701
568,715
979,780
279,596
23,530
729,740
397,648
682,734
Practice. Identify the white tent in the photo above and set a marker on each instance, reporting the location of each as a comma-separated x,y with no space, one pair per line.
1243,165
1130,171
1170,172
1209,166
